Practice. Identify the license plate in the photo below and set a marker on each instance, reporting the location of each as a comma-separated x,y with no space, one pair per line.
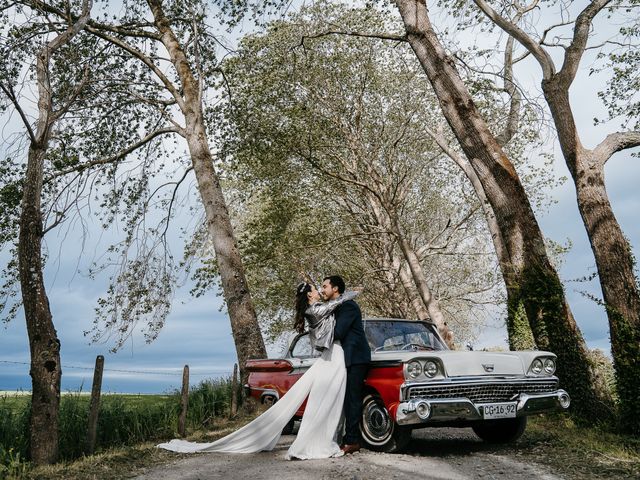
499,410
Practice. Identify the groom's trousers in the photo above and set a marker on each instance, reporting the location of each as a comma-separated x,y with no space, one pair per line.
353,402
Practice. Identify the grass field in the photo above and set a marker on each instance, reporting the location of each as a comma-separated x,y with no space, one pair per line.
123,420
17,400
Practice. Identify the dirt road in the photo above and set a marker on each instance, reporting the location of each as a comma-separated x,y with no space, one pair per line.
438,454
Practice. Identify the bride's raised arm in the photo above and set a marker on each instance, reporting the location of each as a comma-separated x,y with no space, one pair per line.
319,310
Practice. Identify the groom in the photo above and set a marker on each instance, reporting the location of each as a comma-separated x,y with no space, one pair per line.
357,356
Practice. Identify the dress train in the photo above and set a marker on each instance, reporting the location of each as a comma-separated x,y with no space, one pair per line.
324,384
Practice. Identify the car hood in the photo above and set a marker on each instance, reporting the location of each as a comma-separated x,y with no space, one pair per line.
465,363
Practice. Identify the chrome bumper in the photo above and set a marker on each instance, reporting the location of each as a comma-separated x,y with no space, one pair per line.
429,411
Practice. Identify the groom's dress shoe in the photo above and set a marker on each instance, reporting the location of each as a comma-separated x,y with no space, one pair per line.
351,448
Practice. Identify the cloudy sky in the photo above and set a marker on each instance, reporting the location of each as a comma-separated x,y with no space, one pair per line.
197,333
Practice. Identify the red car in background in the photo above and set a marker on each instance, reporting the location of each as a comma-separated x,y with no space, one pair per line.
415,381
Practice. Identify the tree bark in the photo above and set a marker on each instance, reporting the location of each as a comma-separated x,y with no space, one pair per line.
44,344
43,339
611,249
539,288
612,252
412,294
518,329
244,322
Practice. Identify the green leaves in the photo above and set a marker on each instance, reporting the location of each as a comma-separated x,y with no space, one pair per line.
324,135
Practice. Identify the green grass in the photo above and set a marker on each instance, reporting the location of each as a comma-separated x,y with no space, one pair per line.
124,462
123,420
578,452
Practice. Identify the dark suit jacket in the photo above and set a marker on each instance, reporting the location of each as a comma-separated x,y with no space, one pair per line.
350,332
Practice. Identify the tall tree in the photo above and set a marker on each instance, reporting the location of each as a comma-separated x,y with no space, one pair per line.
369,135
539,289
187,92
518,328
611,249
244,324
179,28
44,343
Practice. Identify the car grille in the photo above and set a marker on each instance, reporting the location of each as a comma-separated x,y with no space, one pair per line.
482,393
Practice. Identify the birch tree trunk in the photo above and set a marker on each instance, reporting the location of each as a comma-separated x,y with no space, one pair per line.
44,344
612,252
539,288
518,329
244,322
611,249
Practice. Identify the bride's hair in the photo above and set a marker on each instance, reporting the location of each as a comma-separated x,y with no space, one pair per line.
302,303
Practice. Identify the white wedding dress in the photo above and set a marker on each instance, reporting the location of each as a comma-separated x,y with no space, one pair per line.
324,385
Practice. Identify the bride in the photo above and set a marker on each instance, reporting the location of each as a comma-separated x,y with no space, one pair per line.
324,385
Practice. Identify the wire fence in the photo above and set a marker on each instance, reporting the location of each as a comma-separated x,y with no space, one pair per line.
142,381
210,373
87,423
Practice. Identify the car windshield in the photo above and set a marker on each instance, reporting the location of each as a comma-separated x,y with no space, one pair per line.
383,336
390,335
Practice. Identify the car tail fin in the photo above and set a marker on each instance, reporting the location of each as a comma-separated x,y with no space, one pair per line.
268,365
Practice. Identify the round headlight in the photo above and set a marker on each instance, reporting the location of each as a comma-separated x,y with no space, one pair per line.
549,366
414,369
430,368
536,366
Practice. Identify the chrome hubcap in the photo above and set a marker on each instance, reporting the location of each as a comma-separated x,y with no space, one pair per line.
377,425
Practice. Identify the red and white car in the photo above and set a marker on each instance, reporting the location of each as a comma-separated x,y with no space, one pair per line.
415,381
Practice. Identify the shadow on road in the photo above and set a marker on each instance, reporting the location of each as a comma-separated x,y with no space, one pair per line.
450,442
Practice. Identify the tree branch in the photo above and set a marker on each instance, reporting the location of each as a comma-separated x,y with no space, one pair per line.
73,30
8,91
120,29
60,214
381,36
157,103
543,57
173,197
72,98
574,52
144,59
513,118
615,142
121,154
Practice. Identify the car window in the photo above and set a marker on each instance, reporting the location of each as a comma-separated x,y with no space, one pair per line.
302,348
386,335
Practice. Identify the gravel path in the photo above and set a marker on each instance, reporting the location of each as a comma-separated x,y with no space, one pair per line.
434,454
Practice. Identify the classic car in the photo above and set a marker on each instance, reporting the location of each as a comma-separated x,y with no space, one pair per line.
415,381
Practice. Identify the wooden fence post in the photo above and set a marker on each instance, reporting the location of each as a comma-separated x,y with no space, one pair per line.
94,405
234,391
182,421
